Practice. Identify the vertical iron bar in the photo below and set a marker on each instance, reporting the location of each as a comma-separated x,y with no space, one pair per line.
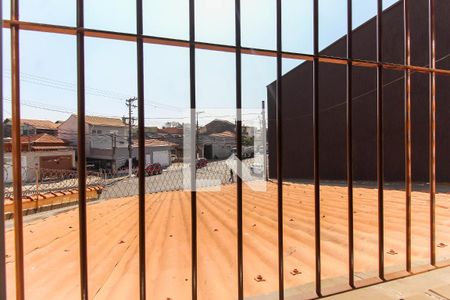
407,87
2,179
141,149
432,129
81,148
351,267
380,172
279,127
316,148
239,148
16,155
194,147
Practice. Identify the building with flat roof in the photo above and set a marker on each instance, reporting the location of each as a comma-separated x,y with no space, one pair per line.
297,105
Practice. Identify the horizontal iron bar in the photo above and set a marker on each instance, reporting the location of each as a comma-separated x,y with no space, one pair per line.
216,47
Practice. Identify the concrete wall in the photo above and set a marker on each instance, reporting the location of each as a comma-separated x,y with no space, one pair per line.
297,105
31,161
68,131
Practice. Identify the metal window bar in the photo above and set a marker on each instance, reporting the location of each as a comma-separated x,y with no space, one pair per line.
380,173
81,100
141,150
407,92
193,136
279,162
2,180
80,31
217,47
239,148
351,264
17,168
316,147
432,129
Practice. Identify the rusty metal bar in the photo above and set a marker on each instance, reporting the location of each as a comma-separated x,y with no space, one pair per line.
81,148
351,261
408,176
380,173
2,179
279,162
316,147
141,149
216,47
239,148
193,135
432,130
16,155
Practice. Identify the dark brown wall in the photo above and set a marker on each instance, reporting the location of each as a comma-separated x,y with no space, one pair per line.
297,105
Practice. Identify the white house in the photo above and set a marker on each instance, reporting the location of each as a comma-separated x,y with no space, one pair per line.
107,143
106,139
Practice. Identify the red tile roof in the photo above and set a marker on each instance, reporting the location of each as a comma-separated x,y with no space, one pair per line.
39,124
171,130
154,143
104,121
41,139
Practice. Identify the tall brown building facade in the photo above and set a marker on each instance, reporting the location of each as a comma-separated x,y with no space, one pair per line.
297,105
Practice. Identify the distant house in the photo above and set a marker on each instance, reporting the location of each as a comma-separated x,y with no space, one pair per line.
150,132
218,126
42,151
156,151
31,127
107,143
175,136
106,140
217,145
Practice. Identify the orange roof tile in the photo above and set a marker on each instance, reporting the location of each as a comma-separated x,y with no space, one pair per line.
104,121
39,124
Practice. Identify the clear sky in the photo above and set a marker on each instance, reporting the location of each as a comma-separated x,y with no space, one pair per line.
48,61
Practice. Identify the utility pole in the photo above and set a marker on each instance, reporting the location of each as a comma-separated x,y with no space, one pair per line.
197,146
131,105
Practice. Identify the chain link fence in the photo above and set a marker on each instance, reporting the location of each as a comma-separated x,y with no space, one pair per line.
173,178
37,181
119,184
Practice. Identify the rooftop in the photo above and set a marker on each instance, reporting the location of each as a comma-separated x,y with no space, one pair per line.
104,121
52,248
38,124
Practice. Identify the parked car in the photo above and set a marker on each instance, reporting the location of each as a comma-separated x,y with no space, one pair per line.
153,169
201,163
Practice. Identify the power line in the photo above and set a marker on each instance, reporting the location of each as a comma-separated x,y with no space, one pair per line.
64,111
71,87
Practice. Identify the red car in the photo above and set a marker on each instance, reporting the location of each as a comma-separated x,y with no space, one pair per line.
153,169
201,163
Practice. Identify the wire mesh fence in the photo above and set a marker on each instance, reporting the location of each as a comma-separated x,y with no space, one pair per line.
175,178
37,181
119,183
